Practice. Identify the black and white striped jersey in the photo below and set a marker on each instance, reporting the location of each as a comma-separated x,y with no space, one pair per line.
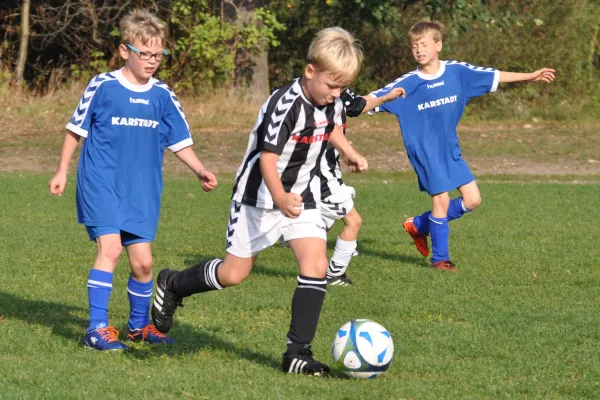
330,173
291,126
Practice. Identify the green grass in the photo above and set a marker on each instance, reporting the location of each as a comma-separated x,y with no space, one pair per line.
519,320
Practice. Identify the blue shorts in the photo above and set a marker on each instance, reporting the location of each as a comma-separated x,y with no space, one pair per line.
126,237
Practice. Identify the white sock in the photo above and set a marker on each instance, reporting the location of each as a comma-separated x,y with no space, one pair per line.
341,257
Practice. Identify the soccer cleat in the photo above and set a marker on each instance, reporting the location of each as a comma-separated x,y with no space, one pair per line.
302,362
149,334
341,280
165,302
419,239
103,339
444,265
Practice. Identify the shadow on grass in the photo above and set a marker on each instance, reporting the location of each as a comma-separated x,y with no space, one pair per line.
63,319
191,340
365,248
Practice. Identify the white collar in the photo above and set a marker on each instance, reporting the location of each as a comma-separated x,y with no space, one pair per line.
429,77
133,87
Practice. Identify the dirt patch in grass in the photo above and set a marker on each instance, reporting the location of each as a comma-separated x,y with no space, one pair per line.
32,130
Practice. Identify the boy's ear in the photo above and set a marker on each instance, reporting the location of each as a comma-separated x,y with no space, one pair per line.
309,71
438,46
123,51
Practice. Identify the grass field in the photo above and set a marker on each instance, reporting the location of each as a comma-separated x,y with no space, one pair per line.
520,320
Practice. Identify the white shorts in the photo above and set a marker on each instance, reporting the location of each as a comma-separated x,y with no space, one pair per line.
251,229
337,205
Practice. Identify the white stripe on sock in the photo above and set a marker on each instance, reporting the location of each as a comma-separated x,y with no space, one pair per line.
312,287
92,282
138,294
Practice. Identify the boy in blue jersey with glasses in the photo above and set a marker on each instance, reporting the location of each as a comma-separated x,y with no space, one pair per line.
436,96
127,119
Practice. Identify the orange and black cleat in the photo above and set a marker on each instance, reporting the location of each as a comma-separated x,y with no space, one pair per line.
419,239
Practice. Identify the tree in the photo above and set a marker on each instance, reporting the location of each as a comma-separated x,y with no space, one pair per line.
24,42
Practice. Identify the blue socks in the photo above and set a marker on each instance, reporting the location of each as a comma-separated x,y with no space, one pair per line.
139,299
456,209
439,233
99,286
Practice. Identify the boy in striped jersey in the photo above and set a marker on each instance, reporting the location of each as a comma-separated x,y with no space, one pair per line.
437,94
127,119
273,195
337,198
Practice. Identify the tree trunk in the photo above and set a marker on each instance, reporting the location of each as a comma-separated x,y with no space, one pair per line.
24,42
260,77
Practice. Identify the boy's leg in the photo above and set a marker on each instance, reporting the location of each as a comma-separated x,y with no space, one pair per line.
440,232
344,249
139,291
214,274
99,334
249,231
310,253
419,227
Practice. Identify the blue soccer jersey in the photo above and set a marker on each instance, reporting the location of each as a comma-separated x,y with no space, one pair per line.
428,118
126,129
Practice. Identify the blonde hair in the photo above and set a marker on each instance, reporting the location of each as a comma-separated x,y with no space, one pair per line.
420,29
141,25
336,50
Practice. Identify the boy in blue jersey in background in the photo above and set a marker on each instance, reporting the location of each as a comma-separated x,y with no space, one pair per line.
127,119
337,198
436,95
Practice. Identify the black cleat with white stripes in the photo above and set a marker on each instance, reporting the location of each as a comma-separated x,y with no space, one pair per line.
165,302
301,361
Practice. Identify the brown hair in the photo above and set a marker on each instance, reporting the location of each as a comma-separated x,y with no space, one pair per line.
420,29
141,25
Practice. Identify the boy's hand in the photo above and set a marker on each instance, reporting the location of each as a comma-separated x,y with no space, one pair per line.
289,204
58,183
394,94
356,162
208,180
544,74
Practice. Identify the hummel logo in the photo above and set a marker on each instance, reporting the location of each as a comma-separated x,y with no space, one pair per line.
435,85
139,101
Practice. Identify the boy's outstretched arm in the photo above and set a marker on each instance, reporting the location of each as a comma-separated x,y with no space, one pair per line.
355,161
374,102
59,181
544,74
188,157
288,203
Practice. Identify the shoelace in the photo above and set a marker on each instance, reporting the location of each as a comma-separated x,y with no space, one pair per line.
110,334
151,330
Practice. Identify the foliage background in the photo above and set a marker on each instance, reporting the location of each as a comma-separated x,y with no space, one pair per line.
215,44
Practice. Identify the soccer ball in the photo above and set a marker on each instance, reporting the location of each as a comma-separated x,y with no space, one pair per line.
362,349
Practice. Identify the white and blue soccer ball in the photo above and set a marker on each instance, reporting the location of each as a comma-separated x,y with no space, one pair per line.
362,349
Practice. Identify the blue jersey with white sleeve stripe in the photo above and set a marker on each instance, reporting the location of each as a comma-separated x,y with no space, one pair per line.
126,129
428,118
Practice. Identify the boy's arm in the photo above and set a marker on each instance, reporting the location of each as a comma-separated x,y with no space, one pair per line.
544,74
188,157
356,161
59,181
288,203
374,102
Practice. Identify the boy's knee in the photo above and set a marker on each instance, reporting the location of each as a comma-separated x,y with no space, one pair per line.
353,220
111,251
472,202
315,269
143,265
232,278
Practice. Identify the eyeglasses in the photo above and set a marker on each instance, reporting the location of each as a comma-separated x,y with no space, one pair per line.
147,56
